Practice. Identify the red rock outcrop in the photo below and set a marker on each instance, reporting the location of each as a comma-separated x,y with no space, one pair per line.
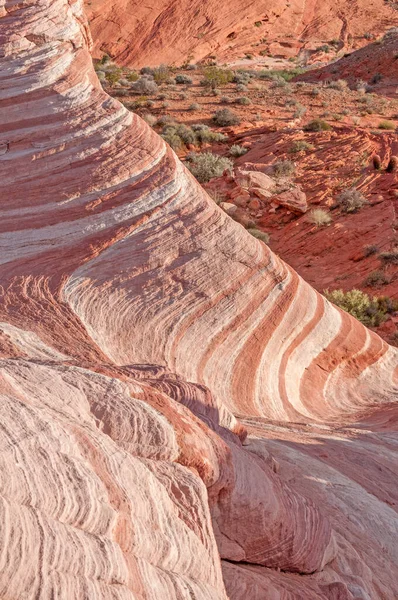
121,282
171,31
375,64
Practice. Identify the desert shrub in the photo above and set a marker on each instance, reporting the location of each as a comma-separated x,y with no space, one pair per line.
146,71
284,168
105,59
339,85
370,311
132,76
182,79
225,118
151,120
241,77
376,279
161,74
237,150
164,120
112,77
317,125
351,200
144,85
300,145
207,165
215,77
225,99
389,125
259,235
376,78
299,111
276,74
194,106
243,100
173,140
376,162
392,165
320,217
389,257
370,249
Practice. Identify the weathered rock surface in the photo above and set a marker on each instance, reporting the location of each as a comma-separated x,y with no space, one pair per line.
121,282
171,31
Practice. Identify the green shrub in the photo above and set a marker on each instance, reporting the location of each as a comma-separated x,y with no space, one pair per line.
317,125
370,311
183,79
244,101
389,125
161,74
215,77
320,217
275,74
300,146
225,118
194,106
259,235
207,165
284,168
237,150
351,200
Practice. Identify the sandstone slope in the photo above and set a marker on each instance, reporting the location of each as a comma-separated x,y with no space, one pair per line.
121,282
171,31
375,64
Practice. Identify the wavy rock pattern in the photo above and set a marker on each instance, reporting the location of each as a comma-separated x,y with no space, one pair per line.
121,283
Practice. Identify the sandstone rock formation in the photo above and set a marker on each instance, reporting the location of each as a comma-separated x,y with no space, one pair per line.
121,283
375,64
172,31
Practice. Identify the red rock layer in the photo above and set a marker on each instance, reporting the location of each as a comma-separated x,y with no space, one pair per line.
120,283
170,31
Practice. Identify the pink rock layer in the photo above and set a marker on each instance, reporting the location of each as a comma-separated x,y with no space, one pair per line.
121,282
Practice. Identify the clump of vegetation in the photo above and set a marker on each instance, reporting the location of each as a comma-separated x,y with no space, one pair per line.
300,146
150,119
317,125
392,166
376,279
387,125
259,235
284,168
341,85
370,311
243,100
300,111
214,77
376,162
194,106
237,150
160,74
351,200
275,74
370,249
320,217
178,135
182,79
225,118
225,99
145,85
207,165
389,257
